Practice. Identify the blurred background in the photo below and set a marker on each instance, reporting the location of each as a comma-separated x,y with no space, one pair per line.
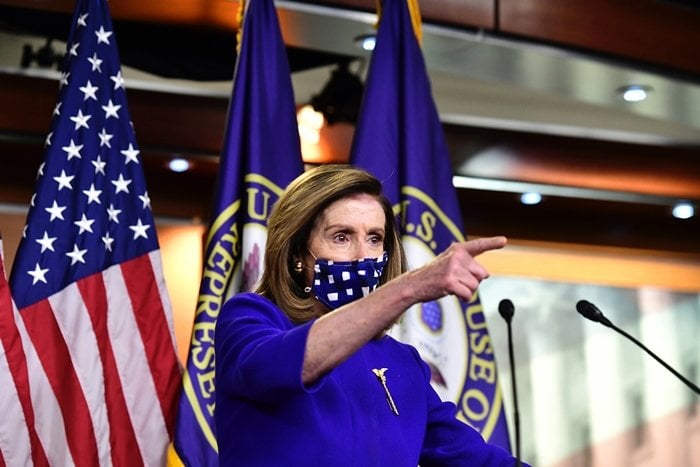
573,128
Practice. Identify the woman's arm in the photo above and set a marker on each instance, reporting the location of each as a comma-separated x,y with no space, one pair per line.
337,335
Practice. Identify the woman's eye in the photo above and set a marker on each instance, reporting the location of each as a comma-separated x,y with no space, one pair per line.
341,237
376,240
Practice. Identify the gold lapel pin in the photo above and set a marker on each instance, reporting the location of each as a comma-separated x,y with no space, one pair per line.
379,373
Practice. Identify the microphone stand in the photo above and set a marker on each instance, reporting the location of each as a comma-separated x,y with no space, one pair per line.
689,383
592,312
506,310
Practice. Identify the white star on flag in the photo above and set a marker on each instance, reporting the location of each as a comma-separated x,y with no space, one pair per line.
107,240
104,138
89,91
73,150
118,80
113,213
63,80
38,274
121,184
130,153
146,200
111,109
93,194
96,62
139,229
81,120
46,242
103,36
77,255
56,211
64,180
99,163
84,224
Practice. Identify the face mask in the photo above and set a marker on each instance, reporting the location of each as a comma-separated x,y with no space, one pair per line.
337,283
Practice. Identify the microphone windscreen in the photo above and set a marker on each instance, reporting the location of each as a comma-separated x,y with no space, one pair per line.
588,310
506,309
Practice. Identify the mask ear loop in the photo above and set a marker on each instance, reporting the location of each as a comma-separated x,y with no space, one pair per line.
307,289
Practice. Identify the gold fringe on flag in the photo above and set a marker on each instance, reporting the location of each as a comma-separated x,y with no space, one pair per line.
414,10
239,22
173,459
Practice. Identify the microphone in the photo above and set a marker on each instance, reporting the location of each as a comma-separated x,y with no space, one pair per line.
506,310
592,312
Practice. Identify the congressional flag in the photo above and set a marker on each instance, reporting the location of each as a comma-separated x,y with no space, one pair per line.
399,139
261,155
93,315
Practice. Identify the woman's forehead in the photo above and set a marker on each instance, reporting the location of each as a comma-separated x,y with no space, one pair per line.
354,208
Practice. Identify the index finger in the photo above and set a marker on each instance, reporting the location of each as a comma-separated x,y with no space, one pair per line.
481,245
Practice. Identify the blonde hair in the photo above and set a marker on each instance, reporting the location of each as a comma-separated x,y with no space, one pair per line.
290,225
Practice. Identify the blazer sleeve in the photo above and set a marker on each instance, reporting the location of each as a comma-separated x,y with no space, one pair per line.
451,443
259,353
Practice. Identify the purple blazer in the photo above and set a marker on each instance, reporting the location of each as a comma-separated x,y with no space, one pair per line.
266,416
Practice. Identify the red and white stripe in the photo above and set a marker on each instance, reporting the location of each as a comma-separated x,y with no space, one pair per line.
103,369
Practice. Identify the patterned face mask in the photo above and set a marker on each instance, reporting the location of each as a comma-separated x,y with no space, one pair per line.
337,283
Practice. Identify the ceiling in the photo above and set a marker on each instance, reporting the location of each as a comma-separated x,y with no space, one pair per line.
479,78
524,104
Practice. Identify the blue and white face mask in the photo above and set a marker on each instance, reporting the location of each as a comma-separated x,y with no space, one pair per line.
337,283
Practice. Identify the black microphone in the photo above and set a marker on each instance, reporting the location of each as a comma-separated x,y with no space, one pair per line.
592,312
506,310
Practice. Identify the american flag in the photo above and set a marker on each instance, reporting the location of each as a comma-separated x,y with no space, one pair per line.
92,310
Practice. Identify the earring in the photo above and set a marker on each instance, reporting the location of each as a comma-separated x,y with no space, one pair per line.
298,266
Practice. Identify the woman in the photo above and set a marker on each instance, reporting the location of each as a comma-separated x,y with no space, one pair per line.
305,374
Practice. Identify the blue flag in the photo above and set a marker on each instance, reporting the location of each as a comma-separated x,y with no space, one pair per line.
399,139
261,155
97,375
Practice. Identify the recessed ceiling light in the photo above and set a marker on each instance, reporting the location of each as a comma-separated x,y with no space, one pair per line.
683,210
531,198
366,41
635,92
179,164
